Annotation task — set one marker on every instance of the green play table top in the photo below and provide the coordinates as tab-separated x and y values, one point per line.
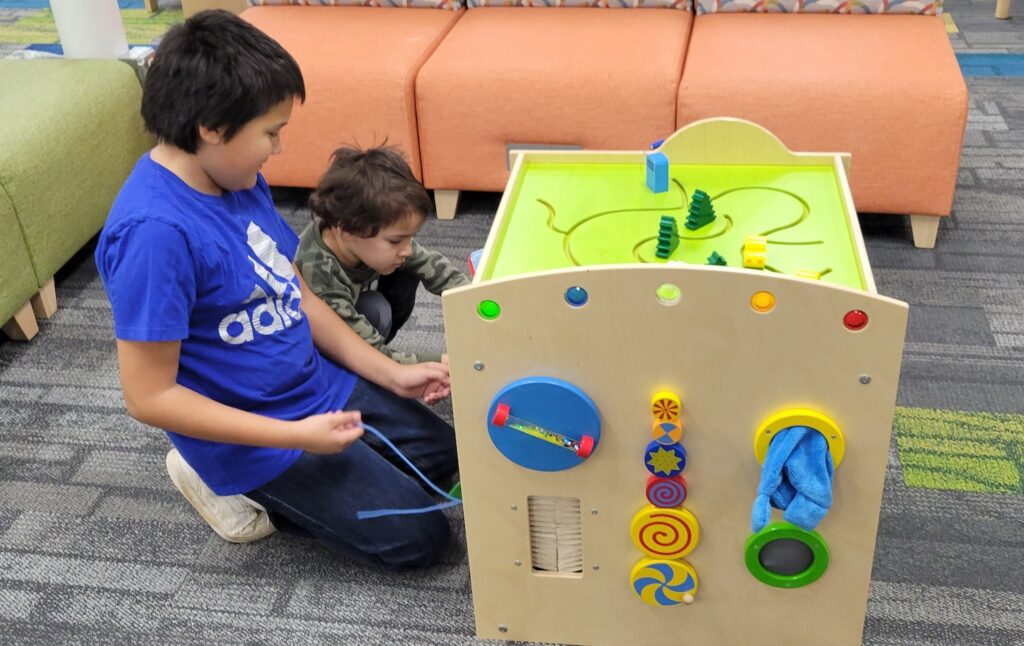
562	215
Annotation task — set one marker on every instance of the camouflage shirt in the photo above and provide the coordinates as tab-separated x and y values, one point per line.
340	286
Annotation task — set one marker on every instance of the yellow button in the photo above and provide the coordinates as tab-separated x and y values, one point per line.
762	301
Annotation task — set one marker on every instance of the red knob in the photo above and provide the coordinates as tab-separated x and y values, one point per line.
500	415
586	446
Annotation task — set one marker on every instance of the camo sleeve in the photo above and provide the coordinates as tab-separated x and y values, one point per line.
434	270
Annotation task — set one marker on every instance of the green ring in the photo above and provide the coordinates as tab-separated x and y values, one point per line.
488	310
779	530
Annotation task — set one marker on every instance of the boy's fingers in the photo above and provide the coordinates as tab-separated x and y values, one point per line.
344	418
350	434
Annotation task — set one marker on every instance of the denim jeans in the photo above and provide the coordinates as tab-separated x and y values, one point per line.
391	305
320	495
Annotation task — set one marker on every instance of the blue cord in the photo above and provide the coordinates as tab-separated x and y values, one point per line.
377	513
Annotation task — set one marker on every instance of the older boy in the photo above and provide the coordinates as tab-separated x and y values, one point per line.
216	331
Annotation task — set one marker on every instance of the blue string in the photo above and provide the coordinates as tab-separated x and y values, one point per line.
377	513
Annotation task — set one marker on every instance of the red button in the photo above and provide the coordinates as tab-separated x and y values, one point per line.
855	320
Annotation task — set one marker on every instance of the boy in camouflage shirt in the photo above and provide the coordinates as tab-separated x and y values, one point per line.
359	255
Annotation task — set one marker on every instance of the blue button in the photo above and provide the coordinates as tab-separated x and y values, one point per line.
576	296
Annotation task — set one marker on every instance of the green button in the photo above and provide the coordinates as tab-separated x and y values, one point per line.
488	310
668	294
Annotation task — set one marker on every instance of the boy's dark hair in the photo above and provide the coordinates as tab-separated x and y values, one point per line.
364	191
217	71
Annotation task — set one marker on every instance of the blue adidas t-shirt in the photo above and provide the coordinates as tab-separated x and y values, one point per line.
216	273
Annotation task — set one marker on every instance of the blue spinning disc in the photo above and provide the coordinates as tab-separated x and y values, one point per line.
547	404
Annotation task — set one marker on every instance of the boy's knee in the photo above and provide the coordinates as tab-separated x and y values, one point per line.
377	311
421	541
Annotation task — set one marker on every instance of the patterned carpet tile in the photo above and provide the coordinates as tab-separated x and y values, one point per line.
961	451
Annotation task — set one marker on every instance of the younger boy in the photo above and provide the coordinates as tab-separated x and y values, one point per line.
359	255
219	340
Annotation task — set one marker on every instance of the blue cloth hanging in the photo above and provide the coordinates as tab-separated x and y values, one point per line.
796	477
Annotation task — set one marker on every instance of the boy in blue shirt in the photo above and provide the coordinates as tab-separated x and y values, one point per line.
221	343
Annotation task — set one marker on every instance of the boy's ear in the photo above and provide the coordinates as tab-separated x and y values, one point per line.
210	136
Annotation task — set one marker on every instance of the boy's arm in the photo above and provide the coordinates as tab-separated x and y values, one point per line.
435	271
342	301
340	343
149	372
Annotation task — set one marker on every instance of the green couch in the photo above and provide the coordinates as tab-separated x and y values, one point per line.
70	135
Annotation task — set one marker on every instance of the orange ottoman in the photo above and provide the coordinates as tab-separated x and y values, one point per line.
591	77
886	88
359	65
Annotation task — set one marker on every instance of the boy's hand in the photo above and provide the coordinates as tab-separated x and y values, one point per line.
328	432
427	381
433	394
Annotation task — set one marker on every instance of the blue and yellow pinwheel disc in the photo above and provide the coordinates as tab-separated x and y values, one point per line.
664	582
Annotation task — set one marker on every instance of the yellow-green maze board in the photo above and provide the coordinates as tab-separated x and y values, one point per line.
565	215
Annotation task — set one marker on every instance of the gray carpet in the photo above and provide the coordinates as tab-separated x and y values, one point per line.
97	547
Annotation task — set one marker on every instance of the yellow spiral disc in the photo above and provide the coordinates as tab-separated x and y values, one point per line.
665	533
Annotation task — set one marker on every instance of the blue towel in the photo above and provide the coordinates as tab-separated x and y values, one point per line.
796	477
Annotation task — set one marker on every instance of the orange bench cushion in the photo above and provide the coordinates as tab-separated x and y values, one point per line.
578	76
885	88
359	65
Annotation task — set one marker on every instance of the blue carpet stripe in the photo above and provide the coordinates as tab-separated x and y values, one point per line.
991	64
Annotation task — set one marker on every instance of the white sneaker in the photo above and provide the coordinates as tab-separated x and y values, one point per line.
236	519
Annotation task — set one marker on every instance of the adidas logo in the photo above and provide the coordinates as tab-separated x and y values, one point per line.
278	298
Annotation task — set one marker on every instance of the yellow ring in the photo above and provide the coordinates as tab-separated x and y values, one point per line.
800	417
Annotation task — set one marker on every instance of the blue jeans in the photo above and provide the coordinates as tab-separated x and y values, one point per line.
319	495
391	305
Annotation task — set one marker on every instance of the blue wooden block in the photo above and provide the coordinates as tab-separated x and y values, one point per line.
657	172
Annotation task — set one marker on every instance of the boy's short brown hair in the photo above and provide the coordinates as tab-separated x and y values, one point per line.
216	71
364	191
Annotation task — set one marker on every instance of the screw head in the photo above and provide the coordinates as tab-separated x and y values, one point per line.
517	562
593	512
865	379
502	628
596	567
478	365
514	508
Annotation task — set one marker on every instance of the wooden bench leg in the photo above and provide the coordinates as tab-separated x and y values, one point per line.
1002	9
22	326
445	201
925	228
151	6
44	303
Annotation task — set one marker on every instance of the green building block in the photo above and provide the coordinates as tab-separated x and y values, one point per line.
701	213
716	259
668	236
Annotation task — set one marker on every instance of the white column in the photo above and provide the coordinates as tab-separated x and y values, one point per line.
90	28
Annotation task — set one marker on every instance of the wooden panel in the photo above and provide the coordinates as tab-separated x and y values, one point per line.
732	368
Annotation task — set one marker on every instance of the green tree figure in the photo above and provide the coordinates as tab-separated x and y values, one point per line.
702	213
668	236
716	259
